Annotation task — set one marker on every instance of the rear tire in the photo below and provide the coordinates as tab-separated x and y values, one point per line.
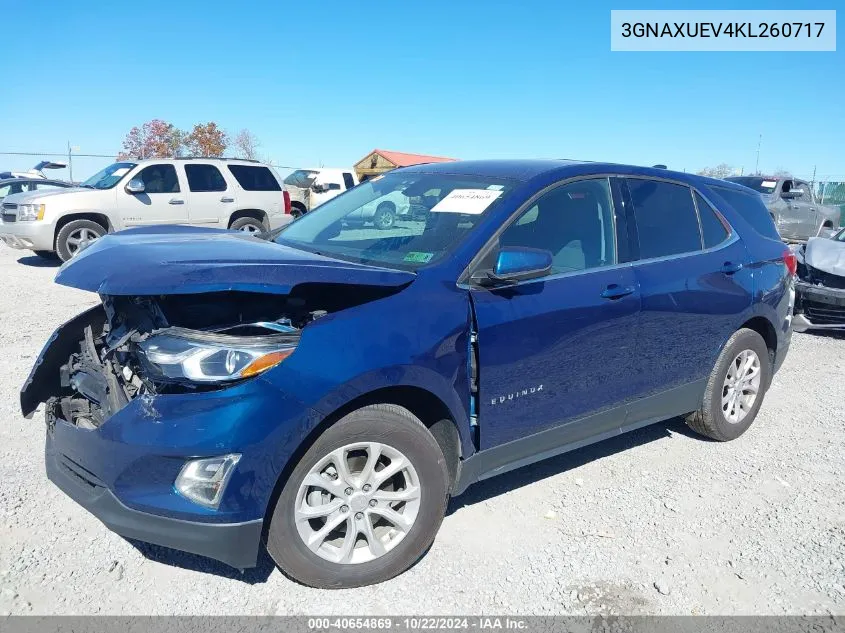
327	563
74	234
248	225
727	409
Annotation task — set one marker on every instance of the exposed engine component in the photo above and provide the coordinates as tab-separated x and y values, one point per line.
144	347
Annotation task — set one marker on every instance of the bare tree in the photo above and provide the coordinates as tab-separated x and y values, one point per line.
722	170
247	144
780	172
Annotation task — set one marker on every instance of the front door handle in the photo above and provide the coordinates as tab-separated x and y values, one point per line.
225	199
615	291
176	201
729	268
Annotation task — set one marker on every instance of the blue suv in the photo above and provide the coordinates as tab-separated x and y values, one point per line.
323	390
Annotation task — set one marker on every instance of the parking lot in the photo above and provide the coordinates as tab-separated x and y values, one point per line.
655	522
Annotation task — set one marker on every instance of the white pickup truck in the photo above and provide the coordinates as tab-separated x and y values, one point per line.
224	193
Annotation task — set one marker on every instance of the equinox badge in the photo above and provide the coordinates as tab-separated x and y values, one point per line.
517	394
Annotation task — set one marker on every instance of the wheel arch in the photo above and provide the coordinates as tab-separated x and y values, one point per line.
257	214
100	218
764	327
431	410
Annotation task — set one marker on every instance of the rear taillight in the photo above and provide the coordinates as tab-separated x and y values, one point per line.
791	262
286	197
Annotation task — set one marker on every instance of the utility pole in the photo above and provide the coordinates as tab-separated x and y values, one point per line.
813	181
757	166
69	162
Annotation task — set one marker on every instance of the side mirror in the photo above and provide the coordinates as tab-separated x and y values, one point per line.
136	185
317	188
513	264
791	195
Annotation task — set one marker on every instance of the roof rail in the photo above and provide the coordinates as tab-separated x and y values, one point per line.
246	160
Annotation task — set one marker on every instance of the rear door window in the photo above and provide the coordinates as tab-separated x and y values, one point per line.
204	178
666	220
806	196
254	178
713	232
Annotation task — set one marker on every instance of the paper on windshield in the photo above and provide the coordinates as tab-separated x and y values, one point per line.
768	183
117	173
470	201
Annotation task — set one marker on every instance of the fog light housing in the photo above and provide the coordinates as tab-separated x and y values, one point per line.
204	480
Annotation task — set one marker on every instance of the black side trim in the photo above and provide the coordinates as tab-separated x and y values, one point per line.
579	433
235	544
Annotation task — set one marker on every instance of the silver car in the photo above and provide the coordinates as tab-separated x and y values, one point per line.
797	214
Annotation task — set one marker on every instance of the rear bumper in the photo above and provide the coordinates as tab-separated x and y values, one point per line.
235	544
818	308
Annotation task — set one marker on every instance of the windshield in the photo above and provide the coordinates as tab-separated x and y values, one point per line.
108	177
762	185
301	178
400	220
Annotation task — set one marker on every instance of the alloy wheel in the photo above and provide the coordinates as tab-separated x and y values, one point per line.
80	239
741	386
357	503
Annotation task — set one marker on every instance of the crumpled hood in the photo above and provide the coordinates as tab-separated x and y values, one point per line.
826	255
189	260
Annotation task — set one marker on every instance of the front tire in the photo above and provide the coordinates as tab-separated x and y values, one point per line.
76	235
735	388
385	215
363	504
46	254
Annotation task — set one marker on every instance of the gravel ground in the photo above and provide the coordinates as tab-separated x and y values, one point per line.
655	522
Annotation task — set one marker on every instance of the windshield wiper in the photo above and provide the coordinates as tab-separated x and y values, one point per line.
87	186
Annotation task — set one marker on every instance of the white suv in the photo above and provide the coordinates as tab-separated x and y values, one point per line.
214	192
309	188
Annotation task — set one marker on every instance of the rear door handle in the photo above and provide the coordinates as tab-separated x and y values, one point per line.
729	268
615	291
176	201
225	199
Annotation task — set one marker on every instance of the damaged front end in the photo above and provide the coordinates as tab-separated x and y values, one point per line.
820	287
135	347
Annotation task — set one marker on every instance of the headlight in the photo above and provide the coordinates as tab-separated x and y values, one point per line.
30	212
209	358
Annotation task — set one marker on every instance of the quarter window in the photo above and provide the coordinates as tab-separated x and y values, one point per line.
347	180
254	178
713	232
204	178
667	223
574	222
159	179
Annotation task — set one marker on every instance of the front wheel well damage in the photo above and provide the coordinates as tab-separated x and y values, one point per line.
423	404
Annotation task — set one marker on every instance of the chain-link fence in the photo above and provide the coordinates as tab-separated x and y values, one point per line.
80	165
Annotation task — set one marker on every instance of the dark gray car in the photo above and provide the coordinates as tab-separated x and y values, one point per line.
797	214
